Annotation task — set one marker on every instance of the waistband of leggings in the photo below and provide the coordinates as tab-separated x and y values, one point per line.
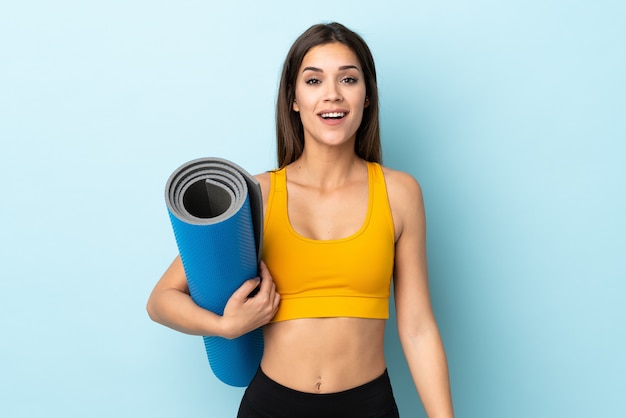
369	388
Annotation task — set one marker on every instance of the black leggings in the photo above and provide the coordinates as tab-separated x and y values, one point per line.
265	398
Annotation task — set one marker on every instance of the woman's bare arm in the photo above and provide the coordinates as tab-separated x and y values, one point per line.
171	305
417	328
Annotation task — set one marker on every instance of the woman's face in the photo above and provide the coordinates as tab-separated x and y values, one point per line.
330	95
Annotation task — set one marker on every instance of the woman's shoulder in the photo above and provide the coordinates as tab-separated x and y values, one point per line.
401	184
263	179
405	199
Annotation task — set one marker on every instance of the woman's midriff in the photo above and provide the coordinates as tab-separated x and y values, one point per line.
324	355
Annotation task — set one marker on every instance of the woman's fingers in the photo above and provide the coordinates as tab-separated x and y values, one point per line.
241	294
273	298
243	312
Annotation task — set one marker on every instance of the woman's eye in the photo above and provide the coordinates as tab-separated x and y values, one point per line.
349	80
312	81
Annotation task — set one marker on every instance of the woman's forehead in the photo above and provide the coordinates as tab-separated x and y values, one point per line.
330	57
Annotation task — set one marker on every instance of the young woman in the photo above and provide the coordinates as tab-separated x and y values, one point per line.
338	227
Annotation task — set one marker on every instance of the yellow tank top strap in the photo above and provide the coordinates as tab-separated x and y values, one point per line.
279	179
381	199
277	196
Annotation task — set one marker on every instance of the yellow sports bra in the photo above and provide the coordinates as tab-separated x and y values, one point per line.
349	277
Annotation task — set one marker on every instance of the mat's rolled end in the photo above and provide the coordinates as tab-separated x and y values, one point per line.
207	190
216	212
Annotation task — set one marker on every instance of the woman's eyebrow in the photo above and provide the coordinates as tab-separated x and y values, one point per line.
342	68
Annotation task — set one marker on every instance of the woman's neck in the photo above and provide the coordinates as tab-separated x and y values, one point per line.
326	170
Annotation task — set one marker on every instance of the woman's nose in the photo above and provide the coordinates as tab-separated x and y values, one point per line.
333	94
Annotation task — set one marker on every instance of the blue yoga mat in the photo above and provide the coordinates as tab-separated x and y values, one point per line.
216	212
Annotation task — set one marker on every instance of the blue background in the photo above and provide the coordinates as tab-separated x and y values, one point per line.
512	115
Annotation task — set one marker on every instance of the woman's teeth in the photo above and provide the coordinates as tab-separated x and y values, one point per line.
333	115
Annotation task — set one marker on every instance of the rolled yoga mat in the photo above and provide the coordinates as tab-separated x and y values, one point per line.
216	212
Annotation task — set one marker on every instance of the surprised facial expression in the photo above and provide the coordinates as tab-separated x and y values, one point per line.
330	95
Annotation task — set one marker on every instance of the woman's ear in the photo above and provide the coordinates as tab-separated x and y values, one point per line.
295	106
367	102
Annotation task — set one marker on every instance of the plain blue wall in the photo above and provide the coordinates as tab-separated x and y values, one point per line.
512	115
